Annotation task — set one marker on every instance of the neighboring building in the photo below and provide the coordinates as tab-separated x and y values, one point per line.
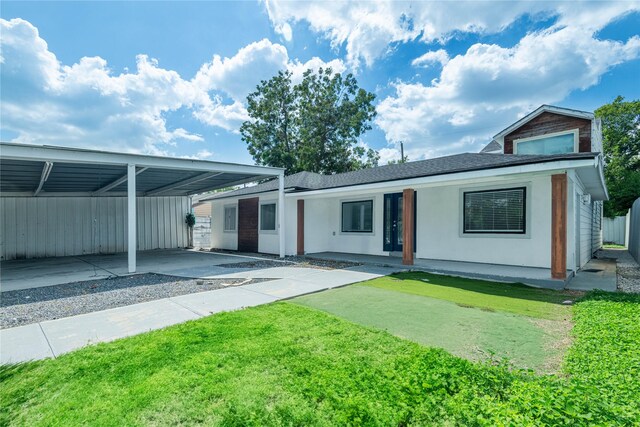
532	197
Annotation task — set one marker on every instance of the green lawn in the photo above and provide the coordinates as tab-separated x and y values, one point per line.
471	333
507	297
285	364
613	246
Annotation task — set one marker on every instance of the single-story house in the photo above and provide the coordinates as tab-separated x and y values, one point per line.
532	197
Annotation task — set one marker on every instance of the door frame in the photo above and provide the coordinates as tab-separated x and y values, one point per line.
393	246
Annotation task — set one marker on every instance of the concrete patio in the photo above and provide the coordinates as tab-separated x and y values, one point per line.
538	277
33	273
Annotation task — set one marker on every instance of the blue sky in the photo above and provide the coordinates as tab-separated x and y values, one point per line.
171	77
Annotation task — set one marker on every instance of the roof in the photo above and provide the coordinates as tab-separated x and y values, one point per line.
492	147
307	181
30	170
544	109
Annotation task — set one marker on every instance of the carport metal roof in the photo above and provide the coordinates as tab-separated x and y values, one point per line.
39	170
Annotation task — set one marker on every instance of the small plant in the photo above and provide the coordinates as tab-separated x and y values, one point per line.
190	220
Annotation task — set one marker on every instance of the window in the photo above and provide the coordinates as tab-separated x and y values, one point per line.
495	211
561	143
268	217
357	217
229	218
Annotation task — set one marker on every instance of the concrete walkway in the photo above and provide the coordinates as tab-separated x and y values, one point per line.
533	276
596	274
55	337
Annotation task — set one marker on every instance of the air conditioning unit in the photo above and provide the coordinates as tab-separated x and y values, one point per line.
586	199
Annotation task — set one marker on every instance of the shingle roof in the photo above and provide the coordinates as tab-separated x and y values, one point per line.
306	181
491	147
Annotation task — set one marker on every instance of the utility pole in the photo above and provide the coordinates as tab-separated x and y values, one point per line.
401	152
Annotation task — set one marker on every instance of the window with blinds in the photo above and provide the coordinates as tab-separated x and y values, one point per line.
495	211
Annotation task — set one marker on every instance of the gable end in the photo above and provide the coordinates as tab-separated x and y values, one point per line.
548	123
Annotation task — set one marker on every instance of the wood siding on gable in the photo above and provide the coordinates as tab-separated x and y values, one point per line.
547	123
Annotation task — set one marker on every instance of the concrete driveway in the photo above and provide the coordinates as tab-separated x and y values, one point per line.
54	337
33	273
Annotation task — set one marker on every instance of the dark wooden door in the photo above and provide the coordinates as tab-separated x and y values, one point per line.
248	225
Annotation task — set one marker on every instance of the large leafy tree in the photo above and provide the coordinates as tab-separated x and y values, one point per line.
314	125
621	150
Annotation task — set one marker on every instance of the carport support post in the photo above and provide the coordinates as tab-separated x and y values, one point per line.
281	210
131	217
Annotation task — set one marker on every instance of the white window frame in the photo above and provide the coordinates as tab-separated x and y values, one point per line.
373	215
529	223
267	202
575	132
224	218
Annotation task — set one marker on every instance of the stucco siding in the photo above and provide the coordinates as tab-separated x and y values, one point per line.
439	227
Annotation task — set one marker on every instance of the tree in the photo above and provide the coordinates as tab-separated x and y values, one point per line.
621	151
314	125
405	159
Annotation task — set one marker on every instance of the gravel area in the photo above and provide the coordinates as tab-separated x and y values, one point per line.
290	261
628	270
628	273
52	302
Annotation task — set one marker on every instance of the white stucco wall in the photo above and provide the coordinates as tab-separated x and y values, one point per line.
439	225
268	241
221	239
439	232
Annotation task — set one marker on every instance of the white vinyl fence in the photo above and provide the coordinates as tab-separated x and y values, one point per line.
202	232
614	230
634	230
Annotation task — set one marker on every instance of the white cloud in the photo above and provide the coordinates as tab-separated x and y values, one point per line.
491	85
368	28
439	56
240	74
87	104
387	154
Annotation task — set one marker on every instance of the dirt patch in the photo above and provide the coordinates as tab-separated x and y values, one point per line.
557	342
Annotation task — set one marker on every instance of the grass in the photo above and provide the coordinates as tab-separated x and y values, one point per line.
613	246
506	297
471	333
285	364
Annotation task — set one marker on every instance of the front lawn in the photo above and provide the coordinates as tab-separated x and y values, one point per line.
508	297
285	364
472	333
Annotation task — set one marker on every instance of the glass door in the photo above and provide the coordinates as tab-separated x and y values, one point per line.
393	228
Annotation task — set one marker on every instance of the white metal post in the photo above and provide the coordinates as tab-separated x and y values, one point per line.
281	210
131	216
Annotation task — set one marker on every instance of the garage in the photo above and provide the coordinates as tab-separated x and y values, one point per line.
59	201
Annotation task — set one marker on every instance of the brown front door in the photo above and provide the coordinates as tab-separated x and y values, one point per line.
248	225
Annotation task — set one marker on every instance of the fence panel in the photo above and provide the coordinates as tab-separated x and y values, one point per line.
634	230
614	230
202	232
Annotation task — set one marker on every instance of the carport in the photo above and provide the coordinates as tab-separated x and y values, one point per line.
59	201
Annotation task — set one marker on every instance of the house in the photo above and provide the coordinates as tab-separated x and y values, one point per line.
531	198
